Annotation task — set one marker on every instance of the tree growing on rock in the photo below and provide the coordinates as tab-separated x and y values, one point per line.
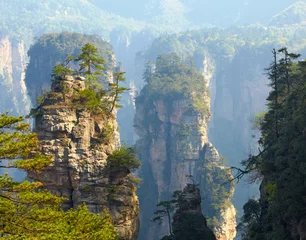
91	63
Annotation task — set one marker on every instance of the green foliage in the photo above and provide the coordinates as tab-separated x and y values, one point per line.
52	50
281	161
123	158
115	90
270	188
188	224
87	188
93	97
19	145
217	190
192	226
134	180
29	212
59	72
91	63
257	120
173	79
34	18
106	134
165	209
88	99
249	223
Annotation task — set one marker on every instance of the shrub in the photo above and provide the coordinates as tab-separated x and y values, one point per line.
123	158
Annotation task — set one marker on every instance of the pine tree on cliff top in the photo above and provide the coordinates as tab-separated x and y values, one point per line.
27	211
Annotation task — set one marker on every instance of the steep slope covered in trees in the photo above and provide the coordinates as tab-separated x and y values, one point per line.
280	211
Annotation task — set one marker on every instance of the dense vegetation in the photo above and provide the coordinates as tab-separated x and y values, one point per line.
100	17
280	212
26	210
52	49
216	189
170	78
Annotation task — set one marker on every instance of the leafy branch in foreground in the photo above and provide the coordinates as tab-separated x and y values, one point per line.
26	210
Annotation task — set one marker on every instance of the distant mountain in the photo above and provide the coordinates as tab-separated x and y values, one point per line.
35	17
294	14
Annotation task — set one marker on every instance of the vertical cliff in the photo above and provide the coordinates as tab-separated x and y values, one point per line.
13	94
80	142
174	143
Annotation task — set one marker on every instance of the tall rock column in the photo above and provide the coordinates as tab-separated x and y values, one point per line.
13	95
80	142
172	112
173	142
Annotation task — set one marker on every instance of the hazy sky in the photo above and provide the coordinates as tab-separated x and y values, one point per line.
219	12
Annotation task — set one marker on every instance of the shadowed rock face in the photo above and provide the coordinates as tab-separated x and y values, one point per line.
72	135
173	143
188	220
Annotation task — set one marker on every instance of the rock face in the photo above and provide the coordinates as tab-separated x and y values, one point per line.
78	141
173	143
188	220
13	94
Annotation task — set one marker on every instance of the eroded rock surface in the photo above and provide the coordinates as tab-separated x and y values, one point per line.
188	220
13	94
76	139
173	143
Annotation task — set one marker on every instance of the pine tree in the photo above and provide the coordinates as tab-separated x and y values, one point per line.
26	210
91	63
281	161
115	90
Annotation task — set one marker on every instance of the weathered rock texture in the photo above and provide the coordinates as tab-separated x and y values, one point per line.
13	96
188	220
173	143
238	89
75	138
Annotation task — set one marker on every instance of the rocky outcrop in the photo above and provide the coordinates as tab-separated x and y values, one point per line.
188	220
13	94
80	142
173	143
213	178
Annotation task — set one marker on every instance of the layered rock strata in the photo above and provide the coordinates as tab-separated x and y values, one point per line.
78	141
13	95
173	143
